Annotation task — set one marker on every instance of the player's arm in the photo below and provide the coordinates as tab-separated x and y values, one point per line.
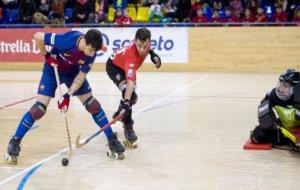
43	39
126	103
155	59
129	89
39	39
77	82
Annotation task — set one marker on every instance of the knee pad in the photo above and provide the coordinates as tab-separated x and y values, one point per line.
134	98
38	110
92	105
266	116
260	135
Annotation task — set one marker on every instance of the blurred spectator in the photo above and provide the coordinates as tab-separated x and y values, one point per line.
101	10
229	17
27	9
169	10
123	19
297	16
118	17
199	18
57	15
217	5
155	11
261	16
44	7
282	4
236	7
248	16
126	18
279	16
120	4
39	18
84	11
57	7
215	16
252	5
183	8
194	7
10	4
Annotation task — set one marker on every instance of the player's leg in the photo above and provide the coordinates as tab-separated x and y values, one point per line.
37	111
266	131
128	122
272	129
93	106
117	75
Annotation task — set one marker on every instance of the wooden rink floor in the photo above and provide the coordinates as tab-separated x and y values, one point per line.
191	129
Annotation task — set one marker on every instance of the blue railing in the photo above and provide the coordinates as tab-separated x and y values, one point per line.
182	24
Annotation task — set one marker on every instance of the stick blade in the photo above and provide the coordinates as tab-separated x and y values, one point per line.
78	144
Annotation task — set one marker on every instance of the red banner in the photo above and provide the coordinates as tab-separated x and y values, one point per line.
17	45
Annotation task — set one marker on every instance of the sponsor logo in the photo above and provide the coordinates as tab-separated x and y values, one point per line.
160	43
19	46
42	87
130	73
52	39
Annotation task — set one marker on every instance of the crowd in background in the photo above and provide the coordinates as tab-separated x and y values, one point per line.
166	11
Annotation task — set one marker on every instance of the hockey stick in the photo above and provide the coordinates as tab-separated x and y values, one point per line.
65	116
113	121
18	102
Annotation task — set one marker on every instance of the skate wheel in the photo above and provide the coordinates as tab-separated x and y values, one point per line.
115	155
10	159
129	144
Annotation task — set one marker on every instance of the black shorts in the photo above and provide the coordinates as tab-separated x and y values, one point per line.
115	73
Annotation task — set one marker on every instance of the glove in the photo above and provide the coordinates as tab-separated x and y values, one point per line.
64	104
123	107
51	59
155	59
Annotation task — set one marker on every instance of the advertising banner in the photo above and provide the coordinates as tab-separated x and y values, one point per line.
170	43
17	45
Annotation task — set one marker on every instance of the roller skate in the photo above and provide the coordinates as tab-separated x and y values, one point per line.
116	148
13	150
130	136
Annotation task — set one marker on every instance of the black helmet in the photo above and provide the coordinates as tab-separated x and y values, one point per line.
290	76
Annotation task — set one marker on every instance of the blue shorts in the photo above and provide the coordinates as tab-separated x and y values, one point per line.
48	85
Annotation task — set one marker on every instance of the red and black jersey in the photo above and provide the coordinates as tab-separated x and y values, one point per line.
128	59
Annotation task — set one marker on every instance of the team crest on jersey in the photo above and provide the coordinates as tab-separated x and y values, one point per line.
130	73
81	62
131	65
42	87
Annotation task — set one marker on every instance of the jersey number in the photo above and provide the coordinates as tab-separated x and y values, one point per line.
119	51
